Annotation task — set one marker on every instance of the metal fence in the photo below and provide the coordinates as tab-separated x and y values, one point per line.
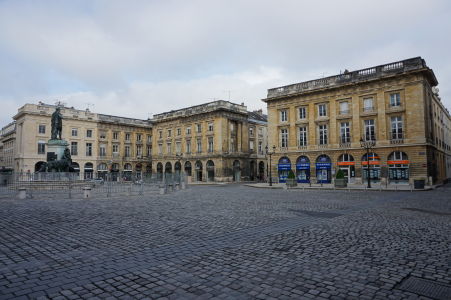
75	185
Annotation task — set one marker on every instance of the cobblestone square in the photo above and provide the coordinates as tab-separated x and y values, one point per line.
228	242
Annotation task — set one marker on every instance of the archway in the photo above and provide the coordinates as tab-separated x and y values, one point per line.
261	170
398	167
39	165
188	168
159	171
303	169
168	170
323	169
75	168
210	170
252	170
346	163
283	168
114	172
198	167
177	170
375	167
148	172
127	173
102	170
89	170
138	170
236	171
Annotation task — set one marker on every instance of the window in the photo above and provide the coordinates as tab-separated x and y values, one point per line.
302	113
345	133
115	149
179	131
127	151
370	132
115	135
178	147
322	110
344	108
74	148
284	138
198	128
251	146
188	130
102	150
41	129
395	99
41	147
149	150
322	134
102	135
199	146
139	150
88	149
260	147
188	146
251	131
283	115
396	128
138	137
89	133
127	136
160	134
160	149
210	127
169	132
149	138
302	138
74	132
260	131
368	104
168	148
210	144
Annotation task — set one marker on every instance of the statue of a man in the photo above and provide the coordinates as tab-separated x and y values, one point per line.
57	124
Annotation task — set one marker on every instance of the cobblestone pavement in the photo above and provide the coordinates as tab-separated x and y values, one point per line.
228	242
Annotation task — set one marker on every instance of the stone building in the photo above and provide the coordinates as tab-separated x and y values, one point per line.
8	146
216	141
316	126
99	143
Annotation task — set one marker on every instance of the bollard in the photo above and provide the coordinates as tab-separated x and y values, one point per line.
141	189
22	193
162	190
129	190
87	192
177	186
183	185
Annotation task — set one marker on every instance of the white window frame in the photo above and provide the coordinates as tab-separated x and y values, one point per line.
284	138
322	134
322	110
302	136
284	115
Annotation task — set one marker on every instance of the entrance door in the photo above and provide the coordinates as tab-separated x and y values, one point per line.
346	173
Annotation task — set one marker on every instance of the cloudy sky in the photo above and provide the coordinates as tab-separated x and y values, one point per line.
138	58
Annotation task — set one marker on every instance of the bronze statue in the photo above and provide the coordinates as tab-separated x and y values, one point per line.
62	165
57	124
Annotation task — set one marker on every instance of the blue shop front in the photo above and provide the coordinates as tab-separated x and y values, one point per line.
323	169
303	169
283	167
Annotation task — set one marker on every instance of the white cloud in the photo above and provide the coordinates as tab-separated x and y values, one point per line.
160	55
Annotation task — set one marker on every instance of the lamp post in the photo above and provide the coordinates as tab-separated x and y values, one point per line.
269	167
367	145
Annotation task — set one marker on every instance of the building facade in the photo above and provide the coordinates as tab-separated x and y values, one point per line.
216	141
317	126
99	143
8	146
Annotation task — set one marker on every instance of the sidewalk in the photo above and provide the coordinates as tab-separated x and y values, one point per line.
357	187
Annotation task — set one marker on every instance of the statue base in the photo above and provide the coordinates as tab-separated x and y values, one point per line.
56	149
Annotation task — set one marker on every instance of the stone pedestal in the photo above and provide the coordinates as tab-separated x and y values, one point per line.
56	147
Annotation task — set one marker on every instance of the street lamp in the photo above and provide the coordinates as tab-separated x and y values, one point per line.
367	145
269	167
